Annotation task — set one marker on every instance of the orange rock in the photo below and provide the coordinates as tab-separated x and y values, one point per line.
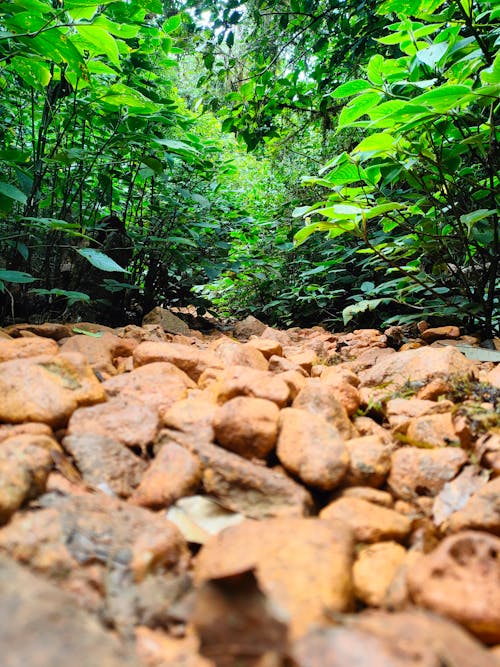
282	365
294	380
244	381
305	359
155	648
460	579
482	511
193	415
374	570
371	495
438	333
311	448
47	388
434	389
187	358
432	431
30	428
20	348
369	461
493	377
100	352
369	522
267	347
250	326
302	565
232	353
320	399
401	410
247	426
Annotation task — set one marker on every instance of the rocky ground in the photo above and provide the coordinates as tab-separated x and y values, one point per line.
258	498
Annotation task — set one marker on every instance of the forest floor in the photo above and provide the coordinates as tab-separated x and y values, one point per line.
252	498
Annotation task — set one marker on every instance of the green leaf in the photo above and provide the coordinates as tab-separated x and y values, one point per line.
172	23
492	73
351	88
34	72
470	218
72	297
445	97
92	334
357	108
102	41
100	260
361	307
340	211
378	143
19	277
10	191
433	54
375	69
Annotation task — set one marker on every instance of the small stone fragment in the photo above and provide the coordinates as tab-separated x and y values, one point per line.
369	461
375	569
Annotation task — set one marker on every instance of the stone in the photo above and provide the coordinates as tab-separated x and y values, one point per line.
371	495
158	384
193	415
244	381
482	510
24	469
47	388
131	423
432	431
276	334
250	326
434	390
245	487
368	426
247	426
419	366
302	565
43	626
312	449
266	347
105	464
305	359
29	428
423	472
282	365
156	648
319	398
439	333
232	353
369	461
168	321
493	377
100	352
187	358
173	474
461	579
375	569
20	348
295	382
400	411
369	522
46	330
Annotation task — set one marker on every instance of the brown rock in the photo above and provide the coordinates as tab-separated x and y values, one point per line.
244	381
247	426
482	510
374	571
44	627
369	461
105	463
400	411
167	320
282	365
460	579
250	326
173	474
493	377
267	347
20	348
432	431
302	565
232	353
155	648
305	359
422	365
423	472
46	330
487	450
100	352
375	496
277	334
294	380
438	333
193	415
368	426
320	399
369	522
131	423
47	388
30	428
187	358
158	384
436	388
311	448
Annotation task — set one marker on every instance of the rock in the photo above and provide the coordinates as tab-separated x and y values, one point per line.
282	365
460	579
311	448
232	353
295	382
46	388
482	511
187	358
44	627
423	472
486	449
24	469
47	330
158	384
375	569
168	321
455	494
244	381
369	522
100	352
106	465
305	359
151	332
302	565
20	348
267	347
29	428
155	648
375	496
319	398
434	390
247	426
421	365
250	326
400	411
131	423
432	431
369	461
193	415
277	334
369	356
493	377
439	333
173	474
245	487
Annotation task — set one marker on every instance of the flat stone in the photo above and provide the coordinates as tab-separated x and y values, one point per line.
319	398
369	461
267	347
173	474
278	364
371	495
482	510
47	629
29	428
302	565
439	333
187	358
193	415
460	579
423	472
105	464
100	352
312	449
20	348
47	388
369	522
375	569
247	426
168	321
432	431
305	359
46	330
232	353
244	381
400	411
250	326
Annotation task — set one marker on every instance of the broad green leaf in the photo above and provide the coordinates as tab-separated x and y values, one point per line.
492	73
433	54
470	218
340	210
357	108
361	307
445	97
119	95
71	296
123	30
92	334
10	191
351	88
176	146
20	277
380	209
101	41
100	260
172	23
375	69
34	72
380	142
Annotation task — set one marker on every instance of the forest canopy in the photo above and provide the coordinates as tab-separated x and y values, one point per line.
305	161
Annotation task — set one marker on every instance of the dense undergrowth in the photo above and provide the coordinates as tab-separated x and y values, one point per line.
305	161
